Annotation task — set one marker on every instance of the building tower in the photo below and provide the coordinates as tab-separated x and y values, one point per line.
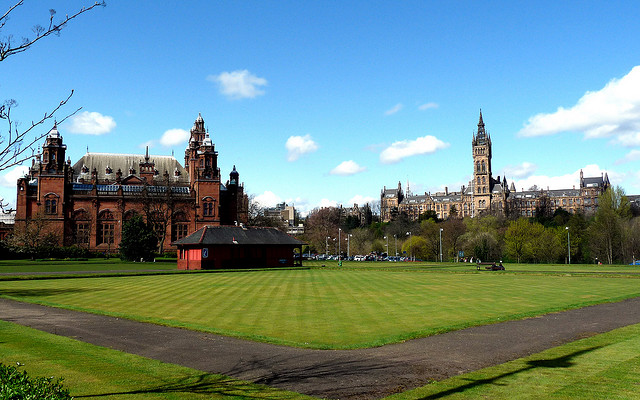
201	160
49	176
482	178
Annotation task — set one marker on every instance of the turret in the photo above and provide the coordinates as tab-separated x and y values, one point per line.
53	152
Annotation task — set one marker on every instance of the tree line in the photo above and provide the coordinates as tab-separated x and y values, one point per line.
611	235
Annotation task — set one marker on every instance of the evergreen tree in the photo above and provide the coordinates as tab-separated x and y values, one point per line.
139	240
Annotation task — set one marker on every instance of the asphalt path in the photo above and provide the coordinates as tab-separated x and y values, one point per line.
345	374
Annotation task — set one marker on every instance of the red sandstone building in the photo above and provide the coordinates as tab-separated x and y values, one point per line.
87	203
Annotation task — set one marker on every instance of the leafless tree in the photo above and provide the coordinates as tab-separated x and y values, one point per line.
15	143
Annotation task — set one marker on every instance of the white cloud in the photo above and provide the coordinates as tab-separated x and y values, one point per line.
91	123
427	106
613	111
267	199
360	200
299	145
239	84
394	109
519	171
10	178
628	139
347	168
406	148
633	155
566	181
328	203
174	137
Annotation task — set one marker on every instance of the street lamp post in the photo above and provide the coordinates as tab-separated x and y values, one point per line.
348	243
568	244
395	238
326	245
339	244
387	237
410	247
441	244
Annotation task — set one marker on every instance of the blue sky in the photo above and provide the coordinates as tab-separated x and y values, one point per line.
321	103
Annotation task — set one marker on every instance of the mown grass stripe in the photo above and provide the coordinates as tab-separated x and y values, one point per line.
325	308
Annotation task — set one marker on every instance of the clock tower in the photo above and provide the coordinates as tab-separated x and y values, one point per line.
482	178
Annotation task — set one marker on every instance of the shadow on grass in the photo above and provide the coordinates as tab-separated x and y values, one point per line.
206	384
43	292
559	362
325	379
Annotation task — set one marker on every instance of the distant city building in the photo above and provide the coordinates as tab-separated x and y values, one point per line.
486	194
363	214
86	204
287	214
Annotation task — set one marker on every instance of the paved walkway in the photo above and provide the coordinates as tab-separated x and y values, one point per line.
346	374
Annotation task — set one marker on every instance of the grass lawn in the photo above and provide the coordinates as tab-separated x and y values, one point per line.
605	366
327	308
94	264
99	373
470	267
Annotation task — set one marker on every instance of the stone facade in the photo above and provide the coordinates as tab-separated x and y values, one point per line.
486	194
87	203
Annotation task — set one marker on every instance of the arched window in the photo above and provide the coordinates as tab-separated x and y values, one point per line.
128	215
51	203
208	207
106	228
81	227
483	167
483	180
478	166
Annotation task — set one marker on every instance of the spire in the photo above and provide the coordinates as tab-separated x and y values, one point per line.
146	155
481	125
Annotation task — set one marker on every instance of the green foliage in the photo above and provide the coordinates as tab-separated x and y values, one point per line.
516	239
429	215
417	247
606	232
17	385
139	240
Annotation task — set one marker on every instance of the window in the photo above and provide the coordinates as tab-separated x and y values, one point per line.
81	232
106	233
208	207
106	228
50	206
81	227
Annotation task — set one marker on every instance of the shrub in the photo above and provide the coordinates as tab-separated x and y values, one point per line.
15	384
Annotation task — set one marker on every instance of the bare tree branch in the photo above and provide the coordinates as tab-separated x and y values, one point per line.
15	143
13	147
6	47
